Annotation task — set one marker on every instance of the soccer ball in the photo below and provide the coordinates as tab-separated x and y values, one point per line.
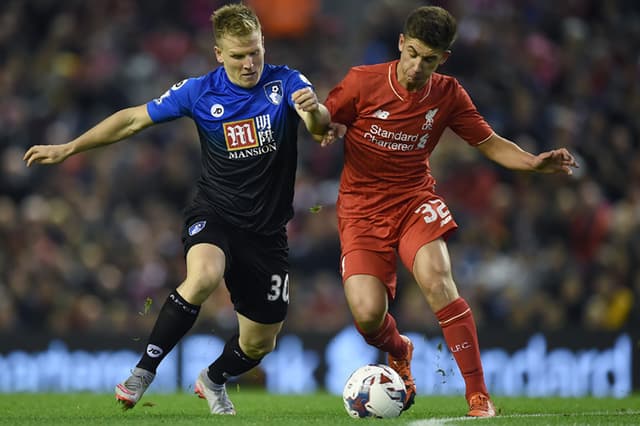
374	390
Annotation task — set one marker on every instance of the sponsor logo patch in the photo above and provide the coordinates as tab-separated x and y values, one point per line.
154	351
382	114
217	110
240	134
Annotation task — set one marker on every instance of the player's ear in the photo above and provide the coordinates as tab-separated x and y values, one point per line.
218	52
445	56
400	42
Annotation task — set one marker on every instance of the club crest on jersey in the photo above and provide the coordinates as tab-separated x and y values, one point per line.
273	91
197	227
428	119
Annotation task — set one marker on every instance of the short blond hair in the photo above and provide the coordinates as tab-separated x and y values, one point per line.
236	20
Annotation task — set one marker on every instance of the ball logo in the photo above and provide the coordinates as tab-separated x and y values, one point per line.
197	227
217	110
154	351
304	78
178	84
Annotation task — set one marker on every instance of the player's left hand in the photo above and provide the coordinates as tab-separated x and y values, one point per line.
305	99
334	132
557	160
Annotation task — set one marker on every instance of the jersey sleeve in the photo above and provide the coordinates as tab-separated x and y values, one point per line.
176	102
295	81
341	101
466	121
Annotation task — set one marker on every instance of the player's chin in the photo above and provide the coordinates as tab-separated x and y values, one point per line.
417	80
248	81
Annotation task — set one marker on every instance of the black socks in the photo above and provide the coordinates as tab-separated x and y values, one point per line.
233	362
176	318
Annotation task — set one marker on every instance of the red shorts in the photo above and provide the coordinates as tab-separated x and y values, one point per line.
369	245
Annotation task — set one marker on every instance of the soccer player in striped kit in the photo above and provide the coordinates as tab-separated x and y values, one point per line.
247	115
392	116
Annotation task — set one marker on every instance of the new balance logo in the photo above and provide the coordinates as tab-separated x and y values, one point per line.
154	351
382	114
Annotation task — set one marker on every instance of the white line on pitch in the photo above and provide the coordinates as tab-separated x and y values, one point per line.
447	420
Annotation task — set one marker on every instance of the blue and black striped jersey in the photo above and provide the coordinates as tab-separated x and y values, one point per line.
248	139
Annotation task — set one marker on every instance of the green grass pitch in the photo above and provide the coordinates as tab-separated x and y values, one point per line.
256	407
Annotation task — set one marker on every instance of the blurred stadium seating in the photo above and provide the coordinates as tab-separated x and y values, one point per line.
86	244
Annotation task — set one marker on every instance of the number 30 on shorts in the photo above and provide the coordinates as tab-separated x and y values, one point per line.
279	288
433	210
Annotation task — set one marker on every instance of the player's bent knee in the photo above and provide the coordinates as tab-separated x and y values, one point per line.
437	285
196	288
434	278
207	283
257	349
368	320
432	286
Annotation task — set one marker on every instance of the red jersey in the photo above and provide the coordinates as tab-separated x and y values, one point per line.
392	132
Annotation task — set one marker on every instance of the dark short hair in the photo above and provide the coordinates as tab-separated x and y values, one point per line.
433	26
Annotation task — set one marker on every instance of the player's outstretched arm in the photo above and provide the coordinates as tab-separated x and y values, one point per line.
511	156
315	115
114	128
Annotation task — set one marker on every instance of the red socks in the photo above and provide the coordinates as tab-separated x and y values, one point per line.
459	330
387	338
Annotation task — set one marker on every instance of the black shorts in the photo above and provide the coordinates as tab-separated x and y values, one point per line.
257	266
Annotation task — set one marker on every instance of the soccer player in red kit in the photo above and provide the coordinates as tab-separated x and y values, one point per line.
392	116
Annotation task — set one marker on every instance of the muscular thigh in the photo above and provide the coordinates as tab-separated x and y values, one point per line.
368	248
425	219
432	271
256	269
258	276
206	251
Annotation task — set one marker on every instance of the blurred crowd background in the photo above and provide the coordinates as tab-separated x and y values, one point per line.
93	244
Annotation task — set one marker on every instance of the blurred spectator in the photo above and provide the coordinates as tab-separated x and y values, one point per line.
92	245
288	19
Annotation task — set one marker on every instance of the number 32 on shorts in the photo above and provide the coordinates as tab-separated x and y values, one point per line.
279	288
434	210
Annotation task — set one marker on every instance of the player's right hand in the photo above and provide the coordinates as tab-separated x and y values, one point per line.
46	154
555	161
